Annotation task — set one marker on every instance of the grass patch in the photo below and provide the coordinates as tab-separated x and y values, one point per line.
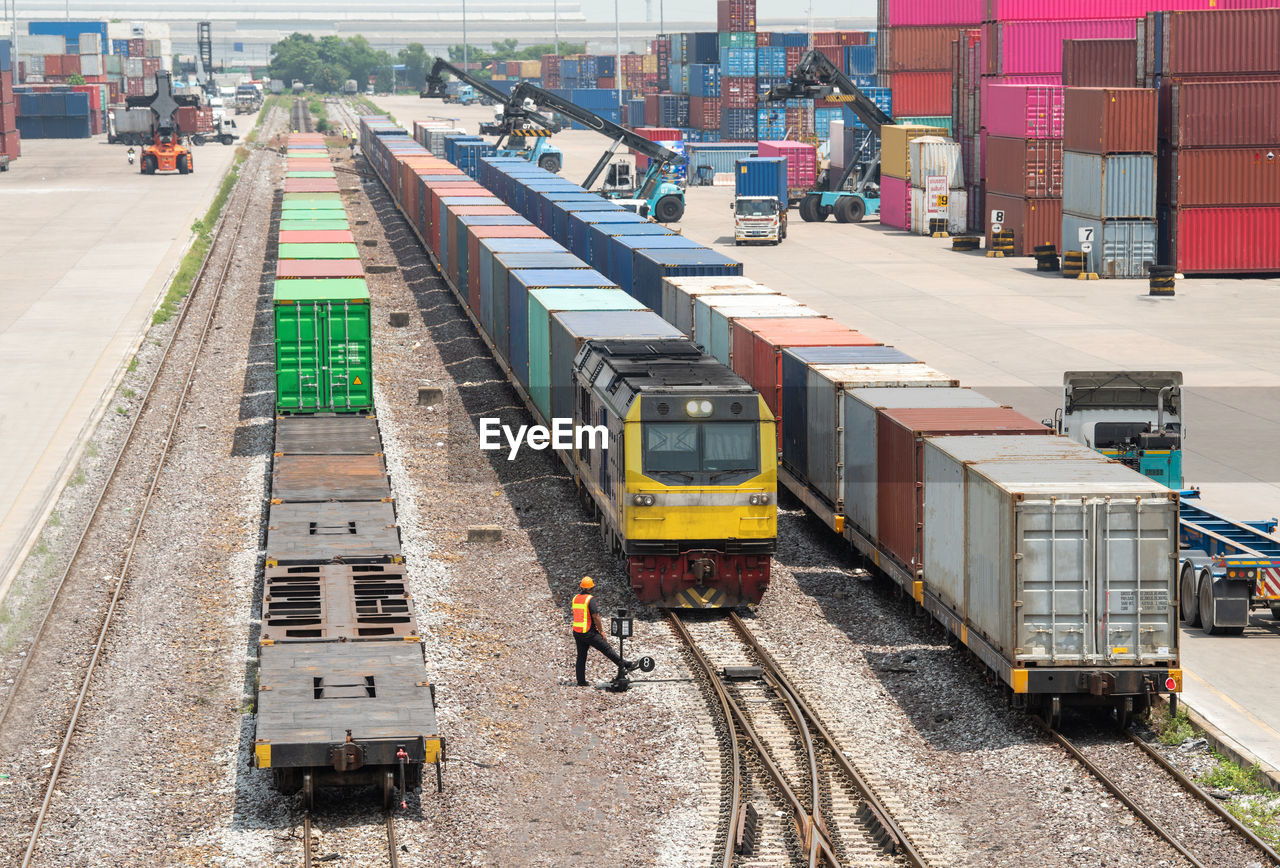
1234	777
128	393
91	450
1259	815
133	365
77	479
55	520
1170	730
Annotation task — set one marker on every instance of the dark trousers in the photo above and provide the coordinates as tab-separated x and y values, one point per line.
598	642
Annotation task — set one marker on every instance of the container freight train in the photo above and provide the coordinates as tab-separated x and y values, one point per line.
672	451
1054	565
343	698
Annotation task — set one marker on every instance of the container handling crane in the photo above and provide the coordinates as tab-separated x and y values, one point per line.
816	77
656	195
535	126
1226	567
166	153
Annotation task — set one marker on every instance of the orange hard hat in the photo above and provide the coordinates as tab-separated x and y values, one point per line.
586	584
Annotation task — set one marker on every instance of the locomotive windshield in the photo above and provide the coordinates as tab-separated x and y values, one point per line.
701	452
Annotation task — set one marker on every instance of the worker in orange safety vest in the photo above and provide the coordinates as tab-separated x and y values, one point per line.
588	632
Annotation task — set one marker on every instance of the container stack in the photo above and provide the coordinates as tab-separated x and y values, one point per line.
914	56
10	139
1022	141
966	124
1109	179
736	43
801	161
1219	194
895	172
937	186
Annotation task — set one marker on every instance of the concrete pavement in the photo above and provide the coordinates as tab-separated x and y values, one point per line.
1010	332
87	244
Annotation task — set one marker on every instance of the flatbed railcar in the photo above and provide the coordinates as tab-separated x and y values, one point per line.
685	483
343	699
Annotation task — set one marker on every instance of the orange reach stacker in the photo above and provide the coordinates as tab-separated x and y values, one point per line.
166	153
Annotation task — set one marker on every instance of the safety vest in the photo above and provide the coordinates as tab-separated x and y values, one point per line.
582	613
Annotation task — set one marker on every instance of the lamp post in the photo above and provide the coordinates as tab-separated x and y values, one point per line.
555	23
617	57
464	37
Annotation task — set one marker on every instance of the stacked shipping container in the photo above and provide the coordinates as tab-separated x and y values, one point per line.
10	139
895	172
1022	138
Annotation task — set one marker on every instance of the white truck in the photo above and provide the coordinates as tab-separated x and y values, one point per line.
758	219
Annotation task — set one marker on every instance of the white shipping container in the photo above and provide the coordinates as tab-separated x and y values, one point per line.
133	67
756	306
27	44
823	410
704	330
435	139
836	137
91	43
857	478
934	155
114	64
91	64
957	212
1053	561
679	295
34	64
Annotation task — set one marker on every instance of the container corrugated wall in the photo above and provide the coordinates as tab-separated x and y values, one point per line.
680	295
1035	47
1121	248
1110	120
1228	240
1207	43
1223	176
1224	114
1024	167
1117	185
1099	63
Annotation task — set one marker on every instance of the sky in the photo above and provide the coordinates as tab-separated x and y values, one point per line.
633	10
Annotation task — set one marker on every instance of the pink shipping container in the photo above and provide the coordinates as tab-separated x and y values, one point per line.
927	13
1225	240
990	81
895	202
1056	10
1035	47
1022	111
920	94
802	161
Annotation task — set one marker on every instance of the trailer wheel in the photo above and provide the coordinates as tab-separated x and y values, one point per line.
669	209
226	138
550	162
850	209
809	209
1275	611
1206	610
1190	596
198	139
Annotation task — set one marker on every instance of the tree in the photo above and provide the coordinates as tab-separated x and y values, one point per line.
416	62
330	79
384	83
75	79
296	57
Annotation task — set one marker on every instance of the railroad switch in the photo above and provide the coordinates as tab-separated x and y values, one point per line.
742	673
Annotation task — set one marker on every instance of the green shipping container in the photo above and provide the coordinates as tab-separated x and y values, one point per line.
317	214
318	251
311	174
324	347
943	121
313	225
307	201
543	303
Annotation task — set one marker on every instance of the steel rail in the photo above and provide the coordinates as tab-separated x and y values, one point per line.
735	792
1149	821
391	840
143	513
896	841
1199	792
306	840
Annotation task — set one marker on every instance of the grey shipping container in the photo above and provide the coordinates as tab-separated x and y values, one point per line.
723	310
496	310
1121	248
824	447
1058	562
571	330
1115	185
856	479
795	387
679	295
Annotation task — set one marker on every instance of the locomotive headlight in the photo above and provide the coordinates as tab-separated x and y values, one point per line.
698	408
759	499
642	499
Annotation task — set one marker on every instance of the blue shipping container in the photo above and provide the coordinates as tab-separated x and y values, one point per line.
489	249
600	237
704	79
737	62
580	223
762	176
560	216
6	56
772	60
635	113
620	266
651	266
860	60
702	48
738	125
881	96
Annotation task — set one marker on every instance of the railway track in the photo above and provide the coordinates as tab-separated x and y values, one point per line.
300	119
1153	790
820	810
393	848
206	283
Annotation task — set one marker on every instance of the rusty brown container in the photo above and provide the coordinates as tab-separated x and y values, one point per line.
1222	176
1030	168
915	49
1032	221
900	465
1100	62
1110	120
1238	41
1223	114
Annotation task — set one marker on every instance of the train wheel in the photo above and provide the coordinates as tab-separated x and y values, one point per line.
1053	712
388	791
439	777
308	793
1188	593
1124	712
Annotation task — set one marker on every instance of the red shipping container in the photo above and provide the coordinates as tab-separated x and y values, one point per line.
654	134
95	95
1223	114
900	465
8	116
319	268
71	64
472	206
11	144
915	49
920	94
704	112
1225	240
763	39
1033	221
737	16
1110	120
1030	168
1244	42
137	47
434	193
758	345
311	185
795	53
737	92
53	64
133	86
6	85
474	234
150	66
1100	63
1220	176
605	82
802	161
317	236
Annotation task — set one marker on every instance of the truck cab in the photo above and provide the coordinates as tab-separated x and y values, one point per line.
1134	417
759	219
